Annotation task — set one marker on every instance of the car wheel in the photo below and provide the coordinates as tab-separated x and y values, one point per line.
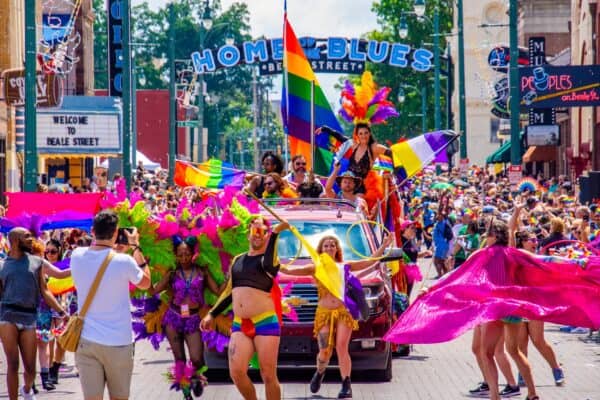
385	375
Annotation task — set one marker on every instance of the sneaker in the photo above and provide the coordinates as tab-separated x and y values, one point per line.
26	396
559	376
482	390
566	329
520	380
510	391
580	330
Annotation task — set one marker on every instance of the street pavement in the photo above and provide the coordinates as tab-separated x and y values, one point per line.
444	371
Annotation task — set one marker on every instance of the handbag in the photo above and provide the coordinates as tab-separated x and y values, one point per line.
69	338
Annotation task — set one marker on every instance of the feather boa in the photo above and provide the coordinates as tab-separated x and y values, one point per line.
181	374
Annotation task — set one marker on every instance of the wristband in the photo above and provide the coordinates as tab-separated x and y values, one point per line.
142	266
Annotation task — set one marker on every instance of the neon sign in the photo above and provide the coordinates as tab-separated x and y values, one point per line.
334	54
569	86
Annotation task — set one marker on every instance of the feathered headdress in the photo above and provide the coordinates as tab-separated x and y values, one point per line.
365	103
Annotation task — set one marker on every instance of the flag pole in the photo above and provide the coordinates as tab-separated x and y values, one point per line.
312	126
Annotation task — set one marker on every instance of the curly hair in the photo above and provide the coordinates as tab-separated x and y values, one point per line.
275	159
338	254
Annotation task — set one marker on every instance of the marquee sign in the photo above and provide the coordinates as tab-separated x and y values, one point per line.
334	54
91	127
567	86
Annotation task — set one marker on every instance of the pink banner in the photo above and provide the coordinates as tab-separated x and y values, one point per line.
47	204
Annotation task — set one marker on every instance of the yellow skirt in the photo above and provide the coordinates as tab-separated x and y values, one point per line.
331	317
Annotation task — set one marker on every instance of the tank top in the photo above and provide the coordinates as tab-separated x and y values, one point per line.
20	289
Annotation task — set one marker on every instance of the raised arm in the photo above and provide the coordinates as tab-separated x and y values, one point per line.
362	264
304	270
331	180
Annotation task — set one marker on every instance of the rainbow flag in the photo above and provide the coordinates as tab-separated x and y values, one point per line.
212	174
411	156
296	106
383	163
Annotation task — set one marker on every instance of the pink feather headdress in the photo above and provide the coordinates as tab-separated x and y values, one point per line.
366	103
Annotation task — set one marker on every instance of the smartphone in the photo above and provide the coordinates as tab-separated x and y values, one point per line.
122	237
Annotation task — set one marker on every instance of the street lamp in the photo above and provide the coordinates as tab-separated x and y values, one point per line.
419	8
423	91
403	28
207	17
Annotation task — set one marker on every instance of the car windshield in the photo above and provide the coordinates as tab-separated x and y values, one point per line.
313	232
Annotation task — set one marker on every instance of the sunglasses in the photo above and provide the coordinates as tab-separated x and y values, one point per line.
269	183
51	252
532	240
257	231
300	163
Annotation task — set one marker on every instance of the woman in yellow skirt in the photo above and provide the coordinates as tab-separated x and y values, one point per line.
333	322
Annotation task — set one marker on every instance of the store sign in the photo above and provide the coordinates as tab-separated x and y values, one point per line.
542	135
334	54
500	100
49	88
569	86
77	132
115	47
499	58
515	174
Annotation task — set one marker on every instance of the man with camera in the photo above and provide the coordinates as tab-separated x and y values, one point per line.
104	356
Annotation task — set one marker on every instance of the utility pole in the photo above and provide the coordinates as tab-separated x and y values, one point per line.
255	115
461	81
30	169
436	61
126	11
172	96
515	136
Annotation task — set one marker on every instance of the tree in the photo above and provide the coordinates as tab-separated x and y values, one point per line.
100	45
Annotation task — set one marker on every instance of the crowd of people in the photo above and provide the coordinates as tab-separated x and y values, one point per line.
447	217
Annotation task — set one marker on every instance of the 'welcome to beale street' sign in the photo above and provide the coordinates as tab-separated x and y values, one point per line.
83	125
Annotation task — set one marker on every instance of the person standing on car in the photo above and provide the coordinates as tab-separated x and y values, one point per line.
333	321
256	325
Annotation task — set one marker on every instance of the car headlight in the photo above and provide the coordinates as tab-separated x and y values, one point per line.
373	295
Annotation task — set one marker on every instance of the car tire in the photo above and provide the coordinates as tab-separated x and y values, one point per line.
385	375
403	350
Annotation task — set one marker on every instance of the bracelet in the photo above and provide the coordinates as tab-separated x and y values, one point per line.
142	266
136	247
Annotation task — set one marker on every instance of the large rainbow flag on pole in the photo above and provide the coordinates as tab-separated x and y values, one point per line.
296	105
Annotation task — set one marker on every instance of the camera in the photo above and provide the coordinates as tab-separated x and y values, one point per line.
122	237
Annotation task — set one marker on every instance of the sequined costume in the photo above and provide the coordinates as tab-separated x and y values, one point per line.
192	288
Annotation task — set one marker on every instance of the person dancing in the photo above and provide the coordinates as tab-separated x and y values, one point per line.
256	325
181	320
334	323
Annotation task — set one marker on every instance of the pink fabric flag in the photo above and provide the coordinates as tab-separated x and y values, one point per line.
498	282
48	204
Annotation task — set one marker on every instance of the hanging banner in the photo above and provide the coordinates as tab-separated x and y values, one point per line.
566	86
334	55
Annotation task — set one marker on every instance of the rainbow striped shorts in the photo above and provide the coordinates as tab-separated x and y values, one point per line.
265	324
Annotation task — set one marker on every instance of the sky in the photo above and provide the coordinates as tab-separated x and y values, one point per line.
317	18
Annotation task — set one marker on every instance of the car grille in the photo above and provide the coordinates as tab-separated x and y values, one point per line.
305	312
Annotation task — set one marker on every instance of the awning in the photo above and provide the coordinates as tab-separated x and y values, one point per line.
501	155
540	153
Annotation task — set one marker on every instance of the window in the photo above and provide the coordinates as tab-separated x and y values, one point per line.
314	231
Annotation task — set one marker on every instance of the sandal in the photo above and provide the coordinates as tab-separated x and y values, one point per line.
532	398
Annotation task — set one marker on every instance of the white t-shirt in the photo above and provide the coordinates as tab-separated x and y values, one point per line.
108	320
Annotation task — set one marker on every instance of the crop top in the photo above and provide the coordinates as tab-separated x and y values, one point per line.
250	271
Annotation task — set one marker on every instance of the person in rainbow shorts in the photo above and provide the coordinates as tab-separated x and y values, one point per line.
256	323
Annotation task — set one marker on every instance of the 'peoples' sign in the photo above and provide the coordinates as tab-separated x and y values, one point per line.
570	86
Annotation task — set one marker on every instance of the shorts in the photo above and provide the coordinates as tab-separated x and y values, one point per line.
331	317
20	327
265	324
512	319
101	365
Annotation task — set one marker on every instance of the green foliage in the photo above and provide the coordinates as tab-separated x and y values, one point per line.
100	45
